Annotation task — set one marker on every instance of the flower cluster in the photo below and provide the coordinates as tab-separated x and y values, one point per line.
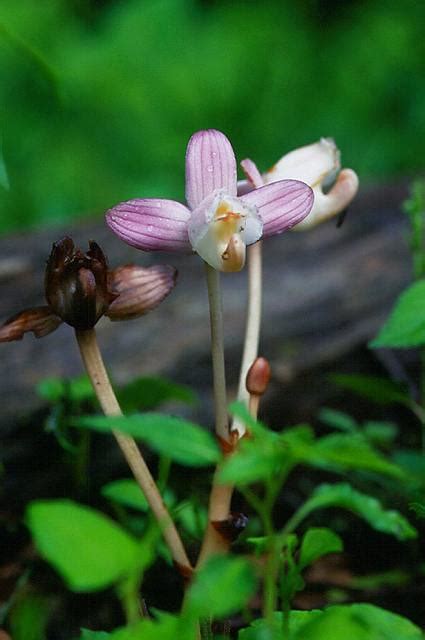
80	289
216	223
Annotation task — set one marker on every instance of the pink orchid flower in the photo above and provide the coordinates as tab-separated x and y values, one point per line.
216	224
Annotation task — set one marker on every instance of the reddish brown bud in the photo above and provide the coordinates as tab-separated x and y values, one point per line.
231	528
258	377
76	283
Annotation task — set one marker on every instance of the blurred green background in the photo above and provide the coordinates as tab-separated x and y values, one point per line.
98	99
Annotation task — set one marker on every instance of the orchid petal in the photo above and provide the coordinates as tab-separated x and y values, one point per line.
40	320
336	200
311	163
140	289
151	224
281	205
210	165
255	179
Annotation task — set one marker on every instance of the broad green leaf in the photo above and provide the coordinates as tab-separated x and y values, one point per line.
318	542
221	587
176	438
338	420
258	629
89	550
348	452
379	390
370	509
29	617
167	628
405	326
357	621
4	178
148	393
380	432
126	492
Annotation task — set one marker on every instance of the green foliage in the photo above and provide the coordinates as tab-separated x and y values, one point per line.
93	113
223	585
318	542
4	179
75	390
370	509
338	622
379	390
29	616
89	550
167	628
149	392
127	493
176	438
267	455
405	326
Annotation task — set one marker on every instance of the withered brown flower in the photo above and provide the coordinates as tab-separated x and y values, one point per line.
80	289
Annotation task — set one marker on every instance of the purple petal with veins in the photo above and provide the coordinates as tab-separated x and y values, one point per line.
281	205
210	165
151	224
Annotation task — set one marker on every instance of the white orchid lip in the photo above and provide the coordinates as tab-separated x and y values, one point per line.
221	227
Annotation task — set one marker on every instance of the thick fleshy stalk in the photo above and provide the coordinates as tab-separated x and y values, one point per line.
95	367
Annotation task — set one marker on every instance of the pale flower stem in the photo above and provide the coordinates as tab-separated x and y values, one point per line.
217	350
95	367
253	322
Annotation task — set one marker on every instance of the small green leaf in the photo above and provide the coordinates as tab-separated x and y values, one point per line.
405	326
359	621
176	438
149	393
318	542
348	452
88	549
29	617
379	432
86	634
221	587
338	420
259	629
379	390
127	493
77	390
370	509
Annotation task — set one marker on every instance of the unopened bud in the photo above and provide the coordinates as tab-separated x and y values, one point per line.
258	377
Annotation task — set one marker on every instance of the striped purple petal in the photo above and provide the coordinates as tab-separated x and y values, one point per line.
151	224
210	165
281	205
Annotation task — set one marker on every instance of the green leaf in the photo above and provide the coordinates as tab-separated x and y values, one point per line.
76	390
29	617
370	509
167	628
379	432
347	452
359	621
222	586
405	326
148	393
379	390
258	629
318	542
89	550
86	634
127	493
176	438
338	420
4	178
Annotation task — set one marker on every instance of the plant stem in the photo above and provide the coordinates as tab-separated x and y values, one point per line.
253	323
217	351
93	362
